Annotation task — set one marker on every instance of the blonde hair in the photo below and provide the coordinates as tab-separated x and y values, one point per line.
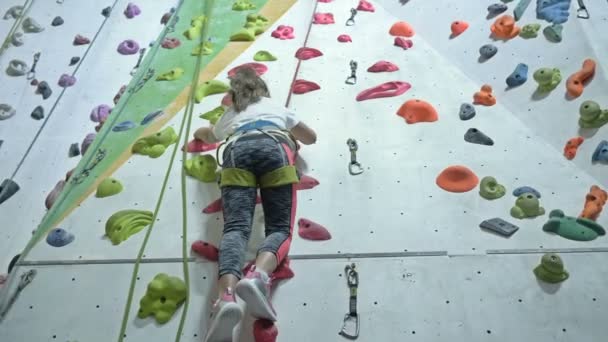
246	87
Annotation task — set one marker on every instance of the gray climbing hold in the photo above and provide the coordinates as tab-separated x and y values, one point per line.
16	67
467	111
7	189
59	237
496	9
38	113
106	11
475	136
74	60
44	89
123	126
488	51
553	33
74	150
519	76
31	26
6	111
14	12
57	21
526	190
17	39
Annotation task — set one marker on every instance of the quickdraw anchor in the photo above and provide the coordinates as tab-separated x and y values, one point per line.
141	57
351	20
350	327
354	167
582	11
79	178
352	79
32	73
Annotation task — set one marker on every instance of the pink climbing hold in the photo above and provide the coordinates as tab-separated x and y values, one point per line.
195	146
306	183
344	38
128	47
170	43
205	249
323	18
66	81
312	231
52	196
100	113
265	331
283	32
383	66
282	272
306	53
388	89
216	206
303	87
227	100
132	10
259	68
403	43
81	40
365	6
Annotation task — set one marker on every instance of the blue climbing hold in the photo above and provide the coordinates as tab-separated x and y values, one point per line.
526	189
601	153
123	126
519	76
151	116
553	11
59	237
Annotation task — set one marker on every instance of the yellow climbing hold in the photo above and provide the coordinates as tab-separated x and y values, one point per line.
202	167
243	35
210	88
126	223
243	5
155	145
205	49
196	25
213	115
171	75
108	187
256	24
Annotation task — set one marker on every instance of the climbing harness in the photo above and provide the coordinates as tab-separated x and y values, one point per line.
350	327
352	79
101	153
141	56
32	73
26	279
354	167
582	11
142	82
351	20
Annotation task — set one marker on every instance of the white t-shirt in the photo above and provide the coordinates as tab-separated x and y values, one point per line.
265	110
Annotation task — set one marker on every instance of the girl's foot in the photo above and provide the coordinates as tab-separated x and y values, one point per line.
254	289
226	316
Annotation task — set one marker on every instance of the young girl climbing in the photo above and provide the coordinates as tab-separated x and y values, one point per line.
259	151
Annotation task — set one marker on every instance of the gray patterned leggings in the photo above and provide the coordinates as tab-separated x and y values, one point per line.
259	154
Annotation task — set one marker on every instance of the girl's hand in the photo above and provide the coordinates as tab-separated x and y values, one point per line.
205	134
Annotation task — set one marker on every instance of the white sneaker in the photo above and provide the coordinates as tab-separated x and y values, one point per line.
227	314
255	292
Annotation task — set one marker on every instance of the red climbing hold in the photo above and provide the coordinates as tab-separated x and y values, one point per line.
365	6
170	43
81	40
414	111
303	87
383	66
205	249
403	43
484	96
458	27
344	38
401	28
196	145
306	182
283	32
52	196
312	231
457	179
388	89
306	53
259	68
216	206
264	331
323	18
572	146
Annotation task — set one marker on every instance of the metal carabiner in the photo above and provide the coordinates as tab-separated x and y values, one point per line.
350	325
141	56
32	73
354	167
351	20
582	11
352	79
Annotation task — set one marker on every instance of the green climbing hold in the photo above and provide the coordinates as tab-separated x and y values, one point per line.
554	33
108	187
490	189
527	205
530	31
264	56
171	75
591	115
547	79
196	24
163	297
573	228
125	223
243	5
213	115
551	269
210	88
202	167
256	22
155	145
204	49
243	35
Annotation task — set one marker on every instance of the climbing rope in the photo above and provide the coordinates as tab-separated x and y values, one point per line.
7	40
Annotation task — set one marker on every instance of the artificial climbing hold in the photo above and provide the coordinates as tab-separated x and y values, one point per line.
457	179
572	146
264	56
310	230
383	66
591	115
526	190
17	39
344	38
66	81
243	35
38	113
401	29
54	194
504	27
306	183
576	82
467	111
475	136
8	188
132	10
405	44
57	21
484	96
458	27
100	113
31	26
165	18
323	18
74	150
196	25
81	40
600	155
108	187
496	9
529	31
553	33
86	142
283	32
14	12
573	228
171	75
44	89
170	43
34	82
487	51
74	60
155	145
551	269
59	237
283	271
202	168
594	202
123	126
196	145
265	330
519	76
16	67
527	205
6	111
217	206
151	116
303	86
213	115
257	23
553	11
163	297
125	223
210	88
259	68
387	89
128	47
306	53
365	6
243	5
204	48
106	11
205	249
414	111
490	189
547	79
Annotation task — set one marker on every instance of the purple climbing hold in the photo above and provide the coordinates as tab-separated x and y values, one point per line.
124	126
86	142
59	237
66	81
100	113
132	10
128	47
81	40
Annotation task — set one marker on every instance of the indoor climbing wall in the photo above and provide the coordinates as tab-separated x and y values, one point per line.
422	143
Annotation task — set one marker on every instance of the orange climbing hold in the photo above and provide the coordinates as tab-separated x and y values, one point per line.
402	29
572	146
458	27
576	82
504	27
457	179
594	202
484	96
415	110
